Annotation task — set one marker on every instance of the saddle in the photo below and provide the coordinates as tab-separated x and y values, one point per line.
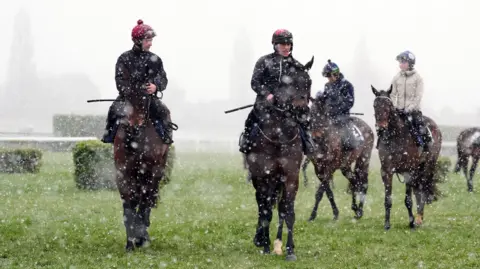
350	135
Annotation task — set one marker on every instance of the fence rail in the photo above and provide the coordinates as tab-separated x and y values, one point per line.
185	144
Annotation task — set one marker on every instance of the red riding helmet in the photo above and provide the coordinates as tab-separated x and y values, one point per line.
142	31
282	36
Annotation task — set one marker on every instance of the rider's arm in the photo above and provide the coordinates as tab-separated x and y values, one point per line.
348	96
394	94
418	94
257	82
122	77
160	80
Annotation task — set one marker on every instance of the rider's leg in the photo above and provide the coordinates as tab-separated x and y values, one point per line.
160	114
114	113
245	143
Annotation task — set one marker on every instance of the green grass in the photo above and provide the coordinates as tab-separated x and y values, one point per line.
207	218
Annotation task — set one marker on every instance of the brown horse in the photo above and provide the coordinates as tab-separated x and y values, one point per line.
399	154
276	155
140	160
468	144
338	147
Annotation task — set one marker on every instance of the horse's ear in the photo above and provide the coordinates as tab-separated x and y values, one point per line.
374	90
309	64
390	90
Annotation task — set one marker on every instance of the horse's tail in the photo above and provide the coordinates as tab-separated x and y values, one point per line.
431	179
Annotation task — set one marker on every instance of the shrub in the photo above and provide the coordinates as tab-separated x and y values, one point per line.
443	167
23	160
94	167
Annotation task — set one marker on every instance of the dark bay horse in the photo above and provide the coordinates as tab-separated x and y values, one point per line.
468	145
276	155
334	151
399	154
140	160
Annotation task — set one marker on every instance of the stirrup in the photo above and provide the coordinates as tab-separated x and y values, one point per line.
172	126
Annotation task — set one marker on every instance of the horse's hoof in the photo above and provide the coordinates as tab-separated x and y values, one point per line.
418	220
129	247
266	250
291	258
335	214
277	247
358	214
142	242
312	218
387	227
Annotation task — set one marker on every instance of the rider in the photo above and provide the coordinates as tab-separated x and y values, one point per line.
139	70
407	92
265	79
338	96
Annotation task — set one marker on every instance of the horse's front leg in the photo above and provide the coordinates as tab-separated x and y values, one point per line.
127	188
320	172
387	183
263	195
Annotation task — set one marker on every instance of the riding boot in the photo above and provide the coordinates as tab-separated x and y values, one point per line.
160	115
308	143
109	134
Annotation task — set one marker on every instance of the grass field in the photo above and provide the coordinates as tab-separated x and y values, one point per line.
207	219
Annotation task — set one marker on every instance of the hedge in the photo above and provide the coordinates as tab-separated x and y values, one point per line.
79	125
95	168
24	160
443	167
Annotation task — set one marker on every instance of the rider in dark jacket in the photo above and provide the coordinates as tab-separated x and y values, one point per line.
265	80
338	97
139	69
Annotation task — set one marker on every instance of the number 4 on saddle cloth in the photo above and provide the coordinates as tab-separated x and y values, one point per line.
159	115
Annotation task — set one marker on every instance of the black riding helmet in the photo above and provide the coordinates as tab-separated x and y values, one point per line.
282	36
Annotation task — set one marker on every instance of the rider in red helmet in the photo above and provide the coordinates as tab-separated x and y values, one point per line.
139	70
266	78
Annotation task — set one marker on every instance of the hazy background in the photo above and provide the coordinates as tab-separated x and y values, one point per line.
55	54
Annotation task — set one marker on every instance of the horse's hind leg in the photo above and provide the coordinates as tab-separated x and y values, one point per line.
304	171
475	159
409	202
289	195
331	198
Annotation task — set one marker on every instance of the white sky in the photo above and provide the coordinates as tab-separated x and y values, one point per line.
195	39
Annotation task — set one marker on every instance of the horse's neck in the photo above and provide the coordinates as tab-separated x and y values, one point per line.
276	123
138	115
397	128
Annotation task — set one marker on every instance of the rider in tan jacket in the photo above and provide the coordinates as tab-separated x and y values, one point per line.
407	95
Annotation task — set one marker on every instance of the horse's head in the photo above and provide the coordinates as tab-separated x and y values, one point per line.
294	90
383	107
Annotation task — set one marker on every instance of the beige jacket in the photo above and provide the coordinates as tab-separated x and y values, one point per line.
407	90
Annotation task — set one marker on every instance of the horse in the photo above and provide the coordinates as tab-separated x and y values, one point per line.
399	154
468	145
274	160
336	151
140	157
